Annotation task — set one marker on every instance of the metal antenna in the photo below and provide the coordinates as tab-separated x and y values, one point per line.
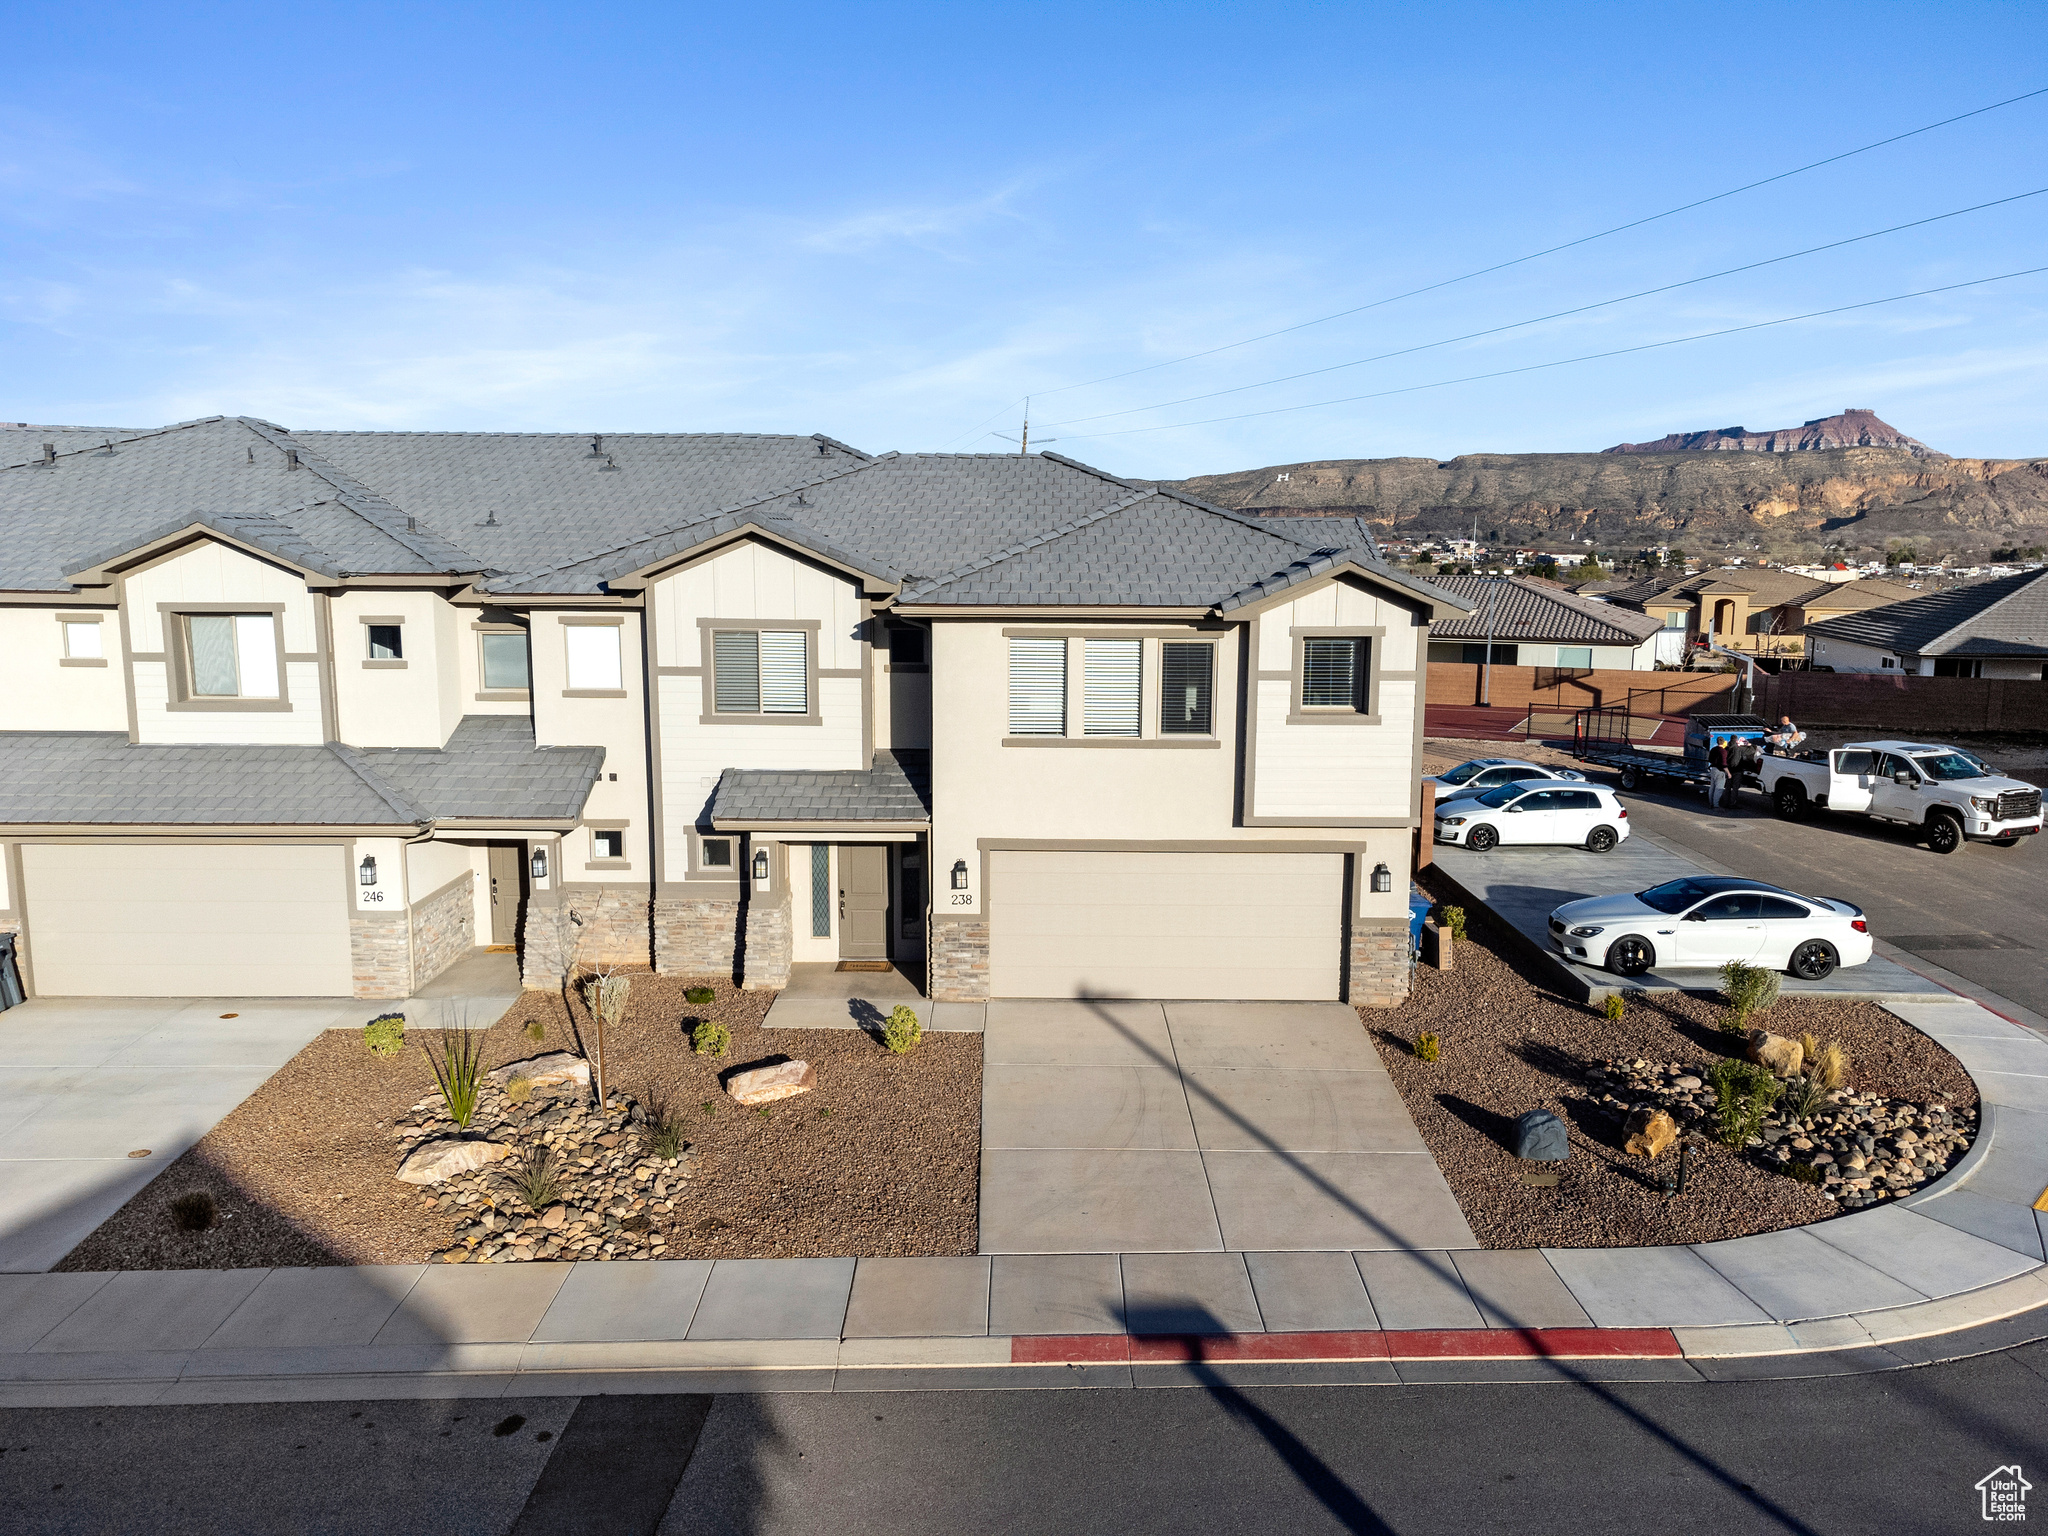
1023	443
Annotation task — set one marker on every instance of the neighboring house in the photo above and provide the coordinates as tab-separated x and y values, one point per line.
1536	624
1994	628
1761	611
313	713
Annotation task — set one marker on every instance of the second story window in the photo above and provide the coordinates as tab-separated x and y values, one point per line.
1109	703
593	658
82	640
387	641
504	660
760	672
1038	685
232	655
1333	672
1187	683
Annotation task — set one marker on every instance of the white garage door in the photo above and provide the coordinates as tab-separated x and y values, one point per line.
191	921
1218	925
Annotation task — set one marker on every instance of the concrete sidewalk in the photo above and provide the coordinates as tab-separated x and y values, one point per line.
821	996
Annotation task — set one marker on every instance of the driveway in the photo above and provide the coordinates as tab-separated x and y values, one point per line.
1115	1126
85	1082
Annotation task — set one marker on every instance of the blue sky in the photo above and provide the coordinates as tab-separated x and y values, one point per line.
889	223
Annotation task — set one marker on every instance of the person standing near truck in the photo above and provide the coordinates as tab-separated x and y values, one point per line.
1784	739
1717	774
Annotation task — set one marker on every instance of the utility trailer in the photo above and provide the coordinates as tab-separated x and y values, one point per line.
1606	737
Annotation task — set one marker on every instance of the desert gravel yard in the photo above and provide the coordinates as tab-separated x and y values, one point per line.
1510	1044
879	1160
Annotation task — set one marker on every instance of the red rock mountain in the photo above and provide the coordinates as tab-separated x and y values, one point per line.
1854	428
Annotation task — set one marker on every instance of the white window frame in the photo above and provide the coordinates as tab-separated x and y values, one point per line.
1043	676
593	657
486	691
74	630
1112	687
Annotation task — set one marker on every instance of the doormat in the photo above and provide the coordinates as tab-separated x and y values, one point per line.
501	949
865	965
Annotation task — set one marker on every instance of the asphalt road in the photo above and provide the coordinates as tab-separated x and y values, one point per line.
1900	1451
1976	911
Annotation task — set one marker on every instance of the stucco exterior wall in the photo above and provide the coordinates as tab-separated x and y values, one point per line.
567	717
43	694
386	704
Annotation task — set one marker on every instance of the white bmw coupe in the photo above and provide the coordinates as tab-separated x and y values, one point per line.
1710	920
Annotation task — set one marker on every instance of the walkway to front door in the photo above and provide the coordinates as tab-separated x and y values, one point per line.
1178	1127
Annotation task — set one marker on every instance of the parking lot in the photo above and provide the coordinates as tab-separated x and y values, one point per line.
1976	912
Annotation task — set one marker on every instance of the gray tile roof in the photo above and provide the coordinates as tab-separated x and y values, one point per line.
1526	610
896	789
489	769
2004	616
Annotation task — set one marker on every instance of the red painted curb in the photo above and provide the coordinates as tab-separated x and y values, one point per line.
1399	1344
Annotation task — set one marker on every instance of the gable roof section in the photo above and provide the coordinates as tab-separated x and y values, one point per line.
1525	610
2004	616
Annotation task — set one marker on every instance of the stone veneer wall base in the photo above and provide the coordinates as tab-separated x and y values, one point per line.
443	929
959	959
1379	964
765	966
696	935
380	954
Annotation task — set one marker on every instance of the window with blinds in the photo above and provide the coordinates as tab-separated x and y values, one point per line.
1187	675
1038	686
1333	672
760	672
1109	699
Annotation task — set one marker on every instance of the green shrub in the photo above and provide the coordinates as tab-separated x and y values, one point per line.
902	1030
1612	1007
1452	918
459	1070
710	1038
1806	1173
538	1178
385	1034
660	1129
1749	989
1744	1093
697	997
1427	1046
194	1211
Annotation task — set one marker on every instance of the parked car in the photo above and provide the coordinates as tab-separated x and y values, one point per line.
1709	920
1477	775
1534	811
1948	794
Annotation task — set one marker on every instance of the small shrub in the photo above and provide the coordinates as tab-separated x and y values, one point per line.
1749	989
902	1030
1452	918
194	1211
538	1178
1805	1173
385	1034
1427	1046
518	1089
710	1038
1827	1068
1744	1093
459	1070
536	1031
1612	1008
660	1129
709	1106
697	997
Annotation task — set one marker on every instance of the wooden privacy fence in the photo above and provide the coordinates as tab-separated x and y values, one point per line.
1901	705
1514	689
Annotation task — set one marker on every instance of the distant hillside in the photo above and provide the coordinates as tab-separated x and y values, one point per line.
1854	428
1865	497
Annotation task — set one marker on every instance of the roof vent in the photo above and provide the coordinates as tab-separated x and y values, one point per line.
824	452
596	449
412	525
490	520
49	453
252	455
607	466
800	499
106	450
291	458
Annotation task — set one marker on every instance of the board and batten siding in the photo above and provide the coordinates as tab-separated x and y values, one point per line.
756	581
1342	771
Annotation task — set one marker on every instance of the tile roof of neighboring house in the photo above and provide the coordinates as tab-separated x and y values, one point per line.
2003	616
896	789
1524	610
490	769
1772	587
1870	592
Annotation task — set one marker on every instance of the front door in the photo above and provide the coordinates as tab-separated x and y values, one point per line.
505	871
863	901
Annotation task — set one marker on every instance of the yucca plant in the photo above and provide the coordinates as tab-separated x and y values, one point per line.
538	1178
459	1070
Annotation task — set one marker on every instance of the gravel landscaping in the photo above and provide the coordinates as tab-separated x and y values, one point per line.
879	1159
1509	1043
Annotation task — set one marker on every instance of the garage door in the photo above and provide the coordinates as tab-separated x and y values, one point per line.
190	921
1220	925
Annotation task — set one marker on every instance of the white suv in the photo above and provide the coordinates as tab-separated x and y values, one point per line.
1535	811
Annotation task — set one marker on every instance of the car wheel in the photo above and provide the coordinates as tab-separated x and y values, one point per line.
1601	840
1815	960
1630	956
1482	839
1789	801
1630	778
1944	833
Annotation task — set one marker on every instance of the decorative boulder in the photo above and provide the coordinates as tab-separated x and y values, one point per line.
1649	1132
1540	1136
557	1069
1784	1057
439	1160
764	1085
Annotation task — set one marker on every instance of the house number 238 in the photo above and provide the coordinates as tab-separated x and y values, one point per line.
963	899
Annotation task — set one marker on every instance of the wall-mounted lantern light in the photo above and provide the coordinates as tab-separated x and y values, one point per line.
366	872
760	863
1382	879
538	864
959	874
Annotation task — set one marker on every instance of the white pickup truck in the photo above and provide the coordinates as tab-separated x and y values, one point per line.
1947	793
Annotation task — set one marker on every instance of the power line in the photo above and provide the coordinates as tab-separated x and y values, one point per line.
1554	249
1648	346
1561	314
